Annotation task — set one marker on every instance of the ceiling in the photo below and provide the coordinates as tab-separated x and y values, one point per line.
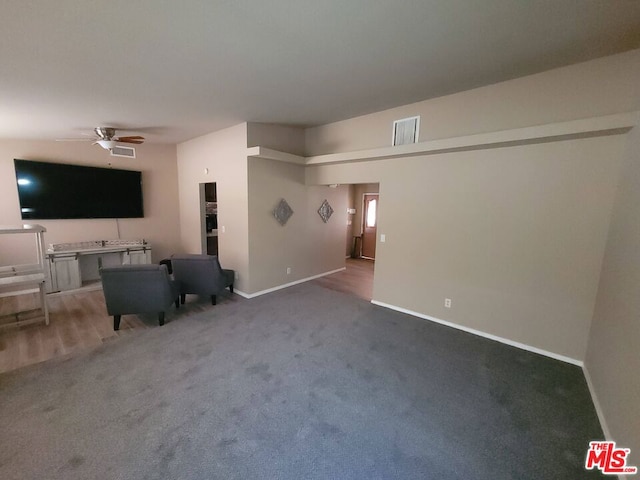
176	70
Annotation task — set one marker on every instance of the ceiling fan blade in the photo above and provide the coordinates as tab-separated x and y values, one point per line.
75	139
129	140
133	137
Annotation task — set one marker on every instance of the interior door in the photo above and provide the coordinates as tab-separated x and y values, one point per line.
369	224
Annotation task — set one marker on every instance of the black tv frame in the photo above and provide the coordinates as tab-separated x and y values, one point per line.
60	191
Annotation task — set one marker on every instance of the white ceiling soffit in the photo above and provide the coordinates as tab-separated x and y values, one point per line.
183	69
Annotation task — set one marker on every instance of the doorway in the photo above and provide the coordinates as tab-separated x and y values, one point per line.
357	278
369	224
209	217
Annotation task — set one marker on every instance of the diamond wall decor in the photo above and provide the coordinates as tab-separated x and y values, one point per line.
282	212
325	211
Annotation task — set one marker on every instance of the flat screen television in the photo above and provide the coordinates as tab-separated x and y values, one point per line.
50	191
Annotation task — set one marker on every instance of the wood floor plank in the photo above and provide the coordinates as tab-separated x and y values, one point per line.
32	346
9	355
7	306
82	324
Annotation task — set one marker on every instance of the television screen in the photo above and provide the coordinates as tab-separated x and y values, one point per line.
58	191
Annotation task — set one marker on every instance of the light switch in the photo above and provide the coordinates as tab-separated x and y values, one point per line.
383	238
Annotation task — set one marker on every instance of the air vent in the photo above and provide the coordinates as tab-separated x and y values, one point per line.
119	151
406	131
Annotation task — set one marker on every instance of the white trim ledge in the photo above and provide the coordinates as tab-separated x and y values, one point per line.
586	127
270	154
480	333
616	124
286	285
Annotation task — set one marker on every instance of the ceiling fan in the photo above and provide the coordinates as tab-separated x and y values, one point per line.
106	138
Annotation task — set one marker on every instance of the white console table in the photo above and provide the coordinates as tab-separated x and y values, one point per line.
73	265
21	279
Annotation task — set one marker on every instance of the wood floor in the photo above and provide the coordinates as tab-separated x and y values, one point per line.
79	320
356	280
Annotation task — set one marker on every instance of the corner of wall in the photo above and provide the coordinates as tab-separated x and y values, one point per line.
611	361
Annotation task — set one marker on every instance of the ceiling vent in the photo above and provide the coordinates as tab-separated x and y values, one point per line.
406	131
120	151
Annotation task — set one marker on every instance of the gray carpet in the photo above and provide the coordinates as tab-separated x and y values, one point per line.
304	383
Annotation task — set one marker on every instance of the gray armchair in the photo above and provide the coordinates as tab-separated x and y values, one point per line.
132	289
201	275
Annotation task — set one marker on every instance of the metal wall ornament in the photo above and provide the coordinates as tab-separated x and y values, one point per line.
325	211
282	212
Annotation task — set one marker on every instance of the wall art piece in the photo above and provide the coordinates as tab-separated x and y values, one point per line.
325	211
282	212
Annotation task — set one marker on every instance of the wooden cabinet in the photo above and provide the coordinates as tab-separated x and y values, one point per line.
74	265
136	257
65	272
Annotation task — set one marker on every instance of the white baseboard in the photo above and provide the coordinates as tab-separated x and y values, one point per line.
286	285
599	412
596	404
480	333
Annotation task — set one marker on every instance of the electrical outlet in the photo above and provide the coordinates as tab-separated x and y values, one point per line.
288	270
383	238
223	229
447	303
237	276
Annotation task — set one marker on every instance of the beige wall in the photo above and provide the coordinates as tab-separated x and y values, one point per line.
600	87
613	361
277	137
161	221
518	234
253	243
224	156
305	244
514	236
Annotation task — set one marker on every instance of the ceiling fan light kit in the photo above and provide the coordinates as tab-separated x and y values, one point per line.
106	144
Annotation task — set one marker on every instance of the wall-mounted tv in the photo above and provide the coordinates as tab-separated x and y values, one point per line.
58	191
